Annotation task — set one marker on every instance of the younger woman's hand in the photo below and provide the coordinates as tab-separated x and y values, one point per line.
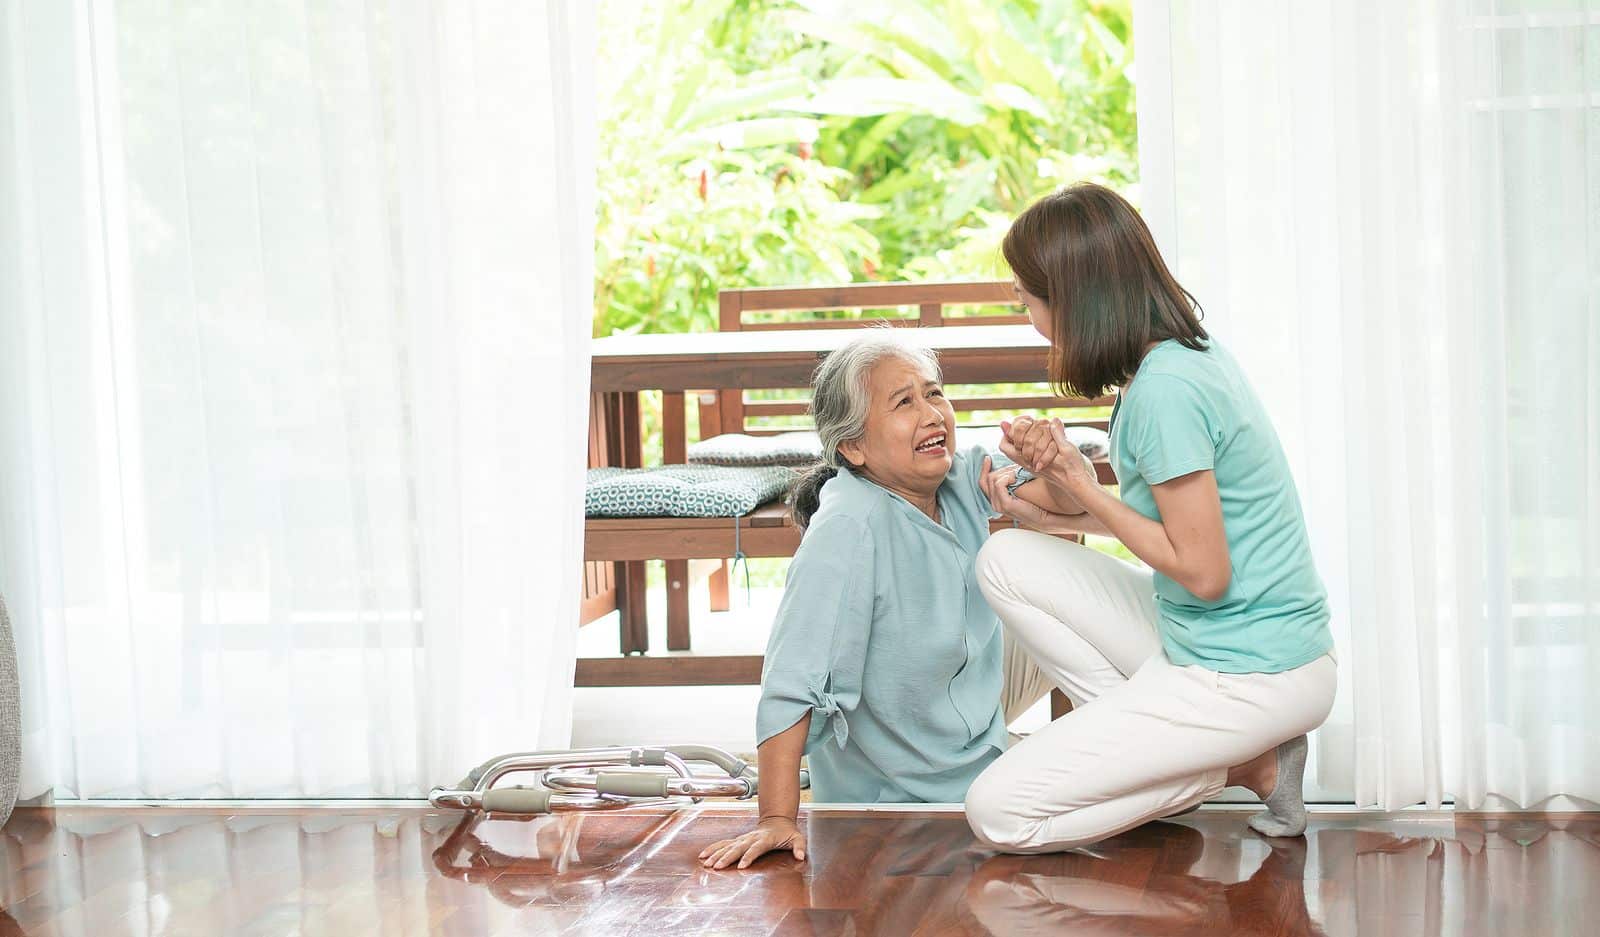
1045	449
996	486
1028	442
770	834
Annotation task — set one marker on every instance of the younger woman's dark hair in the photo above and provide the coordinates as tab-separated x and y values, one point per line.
1087	254
839	403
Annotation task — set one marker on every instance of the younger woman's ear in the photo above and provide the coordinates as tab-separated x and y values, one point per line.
853	453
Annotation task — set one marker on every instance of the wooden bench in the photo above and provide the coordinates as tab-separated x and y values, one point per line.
749	354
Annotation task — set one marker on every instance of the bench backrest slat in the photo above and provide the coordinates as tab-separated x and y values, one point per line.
730	410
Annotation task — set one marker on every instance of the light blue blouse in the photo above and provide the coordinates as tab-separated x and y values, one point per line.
883	636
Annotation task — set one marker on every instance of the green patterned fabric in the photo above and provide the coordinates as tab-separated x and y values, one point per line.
797	450
683	490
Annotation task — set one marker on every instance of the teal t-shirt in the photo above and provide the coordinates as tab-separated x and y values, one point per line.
883	636
1186	411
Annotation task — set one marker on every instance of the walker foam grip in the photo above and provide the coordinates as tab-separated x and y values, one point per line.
630	784
715	756
517	800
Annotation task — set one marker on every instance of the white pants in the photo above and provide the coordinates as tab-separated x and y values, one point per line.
1024	684
1146	738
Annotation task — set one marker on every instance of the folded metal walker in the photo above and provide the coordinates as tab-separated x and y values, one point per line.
601	779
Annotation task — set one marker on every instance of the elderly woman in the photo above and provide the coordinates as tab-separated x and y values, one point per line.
885	663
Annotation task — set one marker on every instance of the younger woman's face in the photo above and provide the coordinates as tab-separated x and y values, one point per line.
1038	315
910	438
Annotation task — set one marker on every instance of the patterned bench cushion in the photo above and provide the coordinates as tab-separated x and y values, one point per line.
792	449
683	490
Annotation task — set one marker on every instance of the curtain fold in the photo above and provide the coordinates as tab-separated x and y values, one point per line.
1391	211
294	324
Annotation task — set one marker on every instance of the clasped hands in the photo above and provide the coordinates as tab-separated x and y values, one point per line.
1042	447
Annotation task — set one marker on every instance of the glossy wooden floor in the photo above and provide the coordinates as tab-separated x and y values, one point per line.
100	872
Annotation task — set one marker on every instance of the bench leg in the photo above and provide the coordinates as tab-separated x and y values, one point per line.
677	605
718	584
630	607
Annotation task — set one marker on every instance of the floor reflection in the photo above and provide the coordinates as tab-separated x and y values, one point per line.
165	871
1101	892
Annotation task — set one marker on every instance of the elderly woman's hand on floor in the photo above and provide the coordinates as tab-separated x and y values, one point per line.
772	833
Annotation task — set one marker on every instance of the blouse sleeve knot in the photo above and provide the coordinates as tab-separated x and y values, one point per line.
826	712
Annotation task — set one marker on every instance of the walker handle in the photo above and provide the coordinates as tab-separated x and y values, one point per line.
524	800
631	784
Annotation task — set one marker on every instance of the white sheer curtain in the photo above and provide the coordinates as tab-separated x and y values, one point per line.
1392	211
294	318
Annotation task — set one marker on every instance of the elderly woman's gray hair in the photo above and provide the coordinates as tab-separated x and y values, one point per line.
840	400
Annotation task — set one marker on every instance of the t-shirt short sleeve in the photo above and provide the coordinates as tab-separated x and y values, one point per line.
1171	429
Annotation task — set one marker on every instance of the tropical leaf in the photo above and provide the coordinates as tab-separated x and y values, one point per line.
1006	96
730	104
872	97
690	87
1108	42
976	181
764	142
874	138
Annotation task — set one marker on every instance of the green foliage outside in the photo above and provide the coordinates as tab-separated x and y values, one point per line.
790	142
805	142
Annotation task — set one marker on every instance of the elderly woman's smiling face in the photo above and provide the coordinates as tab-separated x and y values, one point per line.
910	436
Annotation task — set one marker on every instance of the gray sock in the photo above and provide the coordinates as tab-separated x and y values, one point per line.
1286	807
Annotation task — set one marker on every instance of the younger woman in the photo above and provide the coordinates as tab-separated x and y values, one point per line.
1207	669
